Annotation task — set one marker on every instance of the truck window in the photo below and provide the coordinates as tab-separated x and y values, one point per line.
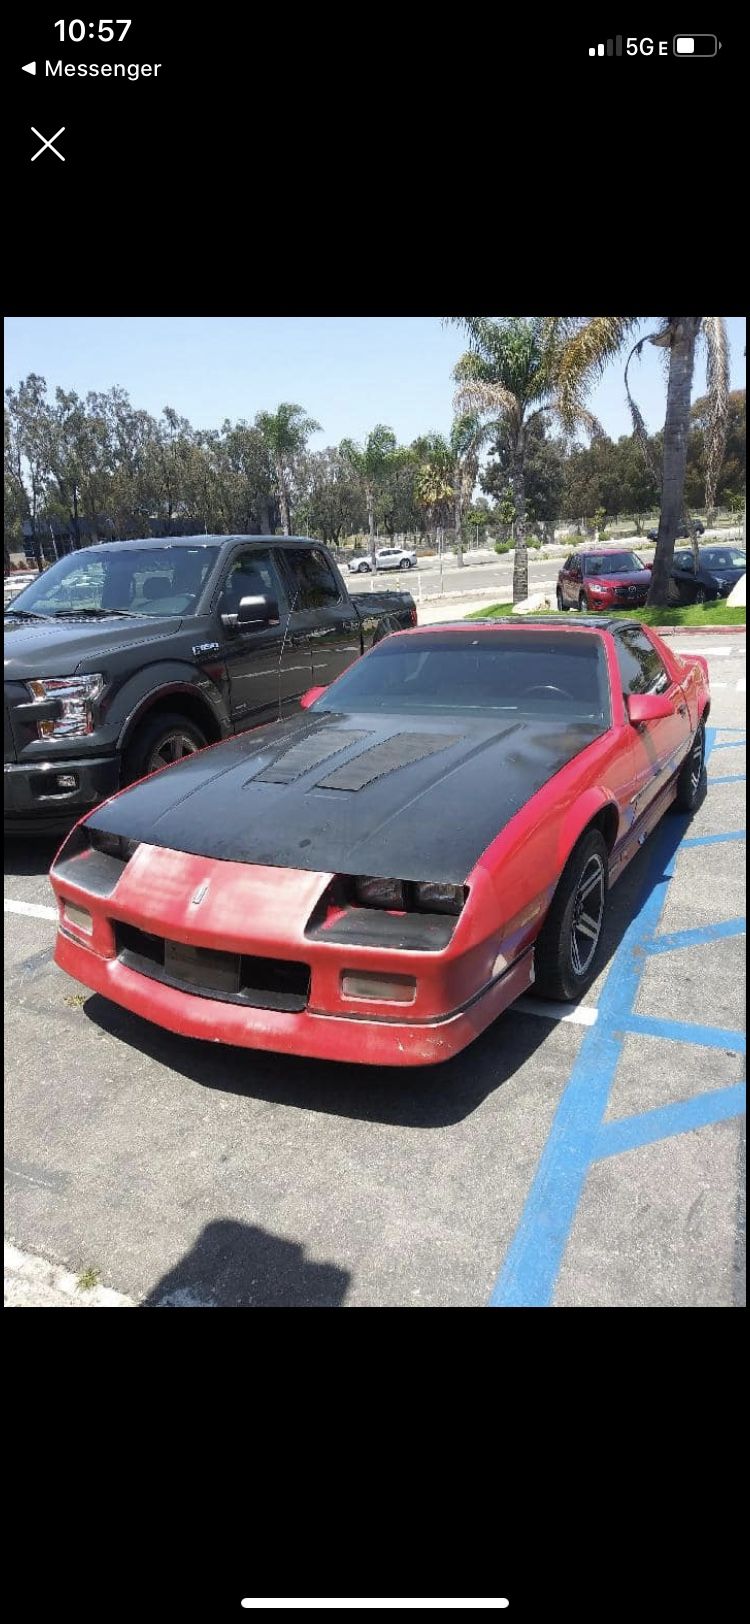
312	579
252	574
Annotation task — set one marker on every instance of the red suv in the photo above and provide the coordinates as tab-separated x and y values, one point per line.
599	578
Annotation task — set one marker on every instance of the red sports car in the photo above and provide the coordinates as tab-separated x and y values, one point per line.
377	878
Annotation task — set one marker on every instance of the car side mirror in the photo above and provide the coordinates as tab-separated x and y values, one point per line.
309	698
253	614
648	708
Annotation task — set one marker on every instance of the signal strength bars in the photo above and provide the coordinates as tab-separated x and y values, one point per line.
613	47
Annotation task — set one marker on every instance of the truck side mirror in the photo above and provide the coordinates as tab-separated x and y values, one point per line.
253	614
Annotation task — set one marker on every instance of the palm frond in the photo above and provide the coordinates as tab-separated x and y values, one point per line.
717	377
586	347
489	399
640	431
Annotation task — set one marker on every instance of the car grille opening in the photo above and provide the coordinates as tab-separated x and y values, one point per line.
282	984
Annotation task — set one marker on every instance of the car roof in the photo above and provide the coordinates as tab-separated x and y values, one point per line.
606	547
519	623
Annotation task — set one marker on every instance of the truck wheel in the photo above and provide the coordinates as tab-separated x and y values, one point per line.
159	743
567	950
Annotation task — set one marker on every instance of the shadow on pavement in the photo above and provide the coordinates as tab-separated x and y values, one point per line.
31	854
236	1265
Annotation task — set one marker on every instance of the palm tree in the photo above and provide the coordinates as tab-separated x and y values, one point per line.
286	432
468	435
590	343
370	463
510	377
434	482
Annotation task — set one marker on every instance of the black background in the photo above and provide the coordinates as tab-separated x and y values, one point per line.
341	160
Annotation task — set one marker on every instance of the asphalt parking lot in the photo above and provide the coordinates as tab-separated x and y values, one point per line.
592	1161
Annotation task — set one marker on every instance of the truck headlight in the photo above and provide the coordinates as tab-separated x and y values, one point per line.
75	696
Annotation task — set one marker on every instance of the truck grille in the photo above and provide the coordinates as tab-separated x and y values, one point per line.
232	977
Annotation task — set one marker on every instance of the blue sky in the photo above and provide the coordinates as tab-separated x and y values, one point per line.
348	372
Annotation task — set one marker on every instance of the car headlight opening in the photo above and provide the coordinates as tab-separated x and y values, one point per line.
75	698
407	896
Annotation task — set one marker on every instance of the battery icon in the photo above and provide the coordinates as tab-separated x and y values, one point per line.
695	45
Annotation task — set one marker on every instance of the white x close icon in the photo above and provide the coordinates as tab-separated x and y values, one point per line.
47	144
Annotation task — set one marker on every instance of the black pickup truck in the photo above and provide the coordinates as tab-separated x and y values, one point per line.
124	657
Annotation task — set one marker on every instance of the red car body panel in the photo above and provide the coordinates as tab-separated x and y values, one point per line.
628	774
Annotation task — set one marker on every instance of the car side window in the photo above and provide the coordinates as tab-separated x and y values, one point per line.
641	669
313	583
252	574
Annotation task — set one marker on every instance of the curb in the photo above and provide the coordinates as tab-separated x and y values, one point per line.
34	1282
699	631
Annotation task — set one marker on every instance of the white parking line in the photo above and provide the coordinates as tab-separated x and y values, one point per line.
35	910
575	1014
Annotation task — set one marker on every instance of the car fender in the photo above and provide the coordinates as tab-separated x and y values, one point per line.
579	816
156	682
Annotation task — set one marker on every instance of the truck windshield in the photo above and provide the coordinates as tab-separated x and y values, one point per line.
156	582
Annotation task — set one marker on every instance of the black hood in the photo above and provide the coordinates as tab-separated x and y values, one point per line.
405	797
55	648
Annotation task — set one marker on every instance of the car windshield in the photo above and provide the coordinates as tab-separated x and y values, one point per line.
611	563
534	675
154	581
723	558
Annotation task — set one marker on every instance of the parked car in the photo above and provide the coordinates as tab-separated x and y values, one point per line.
600	578
720	568
124	657
683	531
15	582
378	877
386	558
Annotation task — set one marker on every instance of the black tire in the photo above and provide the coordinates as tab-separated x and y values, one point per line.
701	595
566	957
158	743
582	604
691	782
364	569
561	604
405	564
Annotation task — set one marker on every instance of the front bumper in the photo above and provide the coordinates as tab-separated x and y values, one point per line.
233	908
353	1039
34	797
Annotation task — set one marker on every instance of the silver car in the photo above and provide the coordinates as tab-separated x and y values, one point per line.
386	558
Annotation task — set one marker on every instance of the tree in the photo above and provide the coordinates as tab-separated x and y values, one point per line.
329	495
27	449
589	343
286	433
731	479
545	468
371	463
510	377
434	485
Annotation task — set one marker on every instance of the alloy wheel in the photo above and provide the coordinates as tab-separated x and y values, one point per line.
172	748
588	913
